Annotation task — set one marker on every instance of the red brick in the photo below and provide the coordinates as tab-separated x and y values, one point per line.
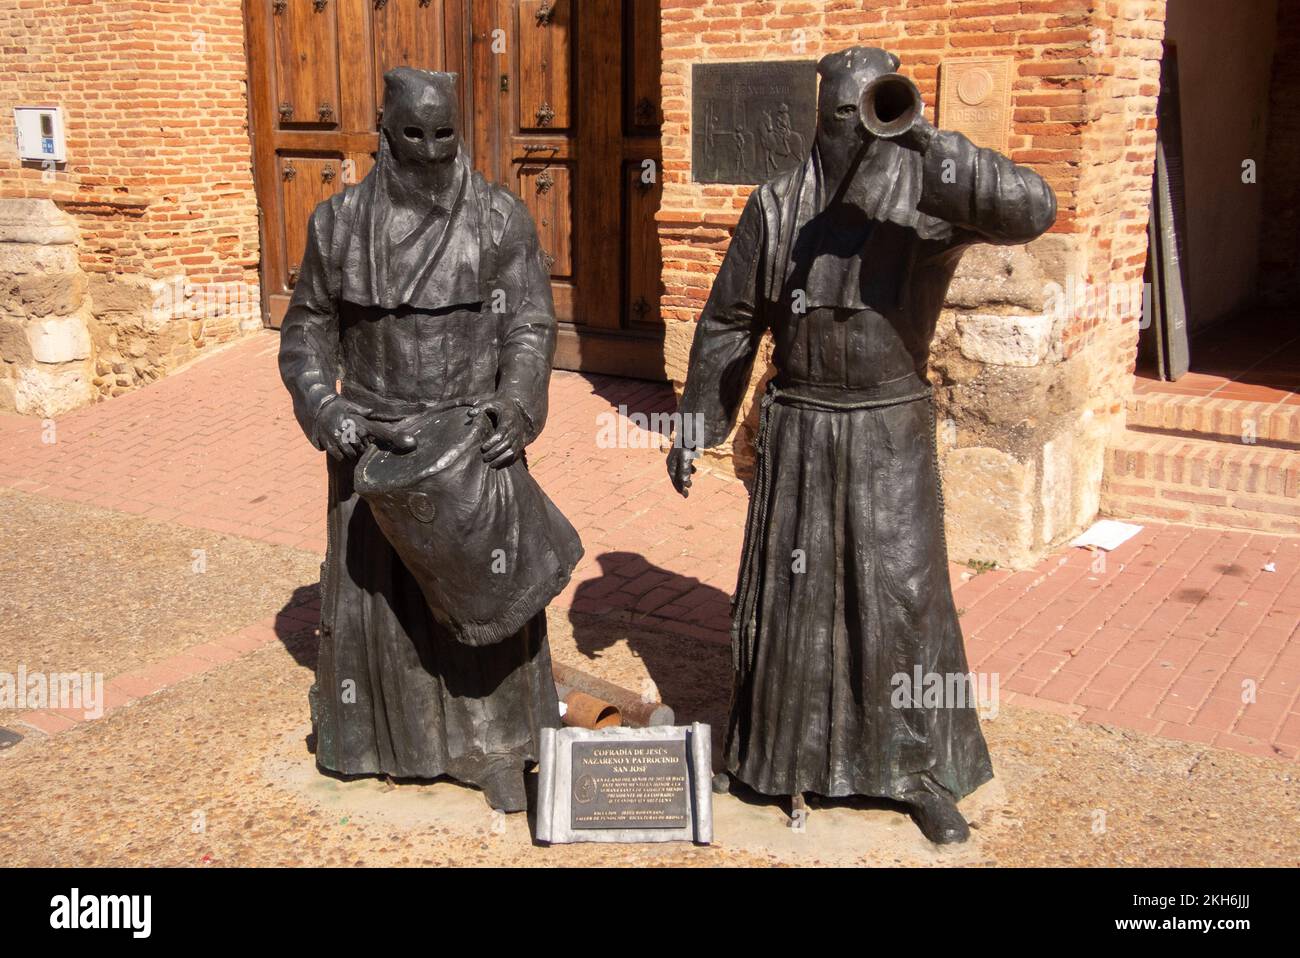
47	721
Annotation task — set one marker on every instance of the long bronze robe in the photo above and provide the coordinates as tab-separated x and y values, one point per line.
406	326
844	583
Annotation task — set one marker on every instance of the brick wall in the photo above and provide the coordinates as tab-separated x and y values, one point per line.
159	174
1048	38
1118	142
1030	434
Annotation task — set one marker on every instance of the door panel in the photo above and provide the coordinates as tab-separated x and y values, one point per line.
643	46
579	95
546	190
304	182
408	33
545	48
642	197
538	159
315	80
600	153
487	127
561	100
306	55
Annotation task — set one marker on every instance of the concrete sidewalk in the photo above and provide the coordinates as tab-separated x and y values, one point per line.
1185	633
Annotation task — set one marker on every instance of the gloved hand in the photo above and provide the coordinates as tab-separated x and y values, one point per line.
917	137
510	431
681	466
343	429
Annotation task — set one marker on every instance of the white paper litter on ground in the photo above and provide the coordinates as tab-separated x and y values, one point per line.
1271	567
1107	534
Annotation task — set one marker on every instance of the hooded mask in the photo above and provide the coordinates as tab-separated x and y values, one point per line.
423	178
844	75
421	124
847	241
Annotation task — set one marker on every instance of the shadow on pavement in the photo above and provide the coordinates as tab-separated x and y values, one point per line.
691	674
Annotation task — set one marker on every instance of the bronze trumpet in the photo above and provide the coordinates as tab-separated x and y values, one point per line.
891	106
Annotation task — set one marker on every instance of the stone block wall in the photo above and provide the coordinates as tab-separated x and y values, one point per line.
45	347
159	172
1033	358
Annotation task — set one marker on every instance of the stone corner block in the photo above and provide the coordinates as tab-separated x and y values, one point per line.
1005	340
59	340
989	506
45	390
35	221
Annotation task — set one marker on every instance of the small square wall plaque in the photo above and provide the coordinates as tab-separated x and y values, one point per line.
975	99
626	785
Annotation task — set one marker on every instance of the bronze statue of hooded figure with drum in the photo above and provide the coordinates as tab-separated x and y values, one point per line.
843	590
424	292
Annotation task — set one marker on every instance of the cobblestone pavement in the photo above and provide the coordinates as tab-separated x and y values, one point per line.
206	762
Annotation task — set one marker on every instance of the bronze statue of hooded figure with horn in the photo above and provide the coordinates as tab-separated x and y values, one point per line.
843	595
424	291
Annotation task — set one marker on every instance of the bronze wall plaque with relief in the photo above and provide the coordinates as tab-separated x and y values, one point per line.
751	121
975	99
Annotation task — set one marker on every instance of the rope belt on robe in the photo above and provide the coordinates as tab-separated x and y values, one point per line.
800	396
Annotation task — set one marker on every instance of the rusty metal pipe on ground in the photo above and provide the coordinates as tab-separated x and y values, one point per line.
586	711
634	710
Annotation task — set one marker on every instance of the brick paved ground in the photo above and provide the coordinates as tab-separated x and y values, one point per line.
1162	636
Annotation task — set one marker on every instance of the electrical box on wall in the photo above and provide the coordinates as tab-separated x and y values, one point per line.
40	133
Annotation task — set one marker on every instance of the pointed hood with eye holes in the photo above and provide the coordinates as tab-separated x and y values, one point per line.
844	75
843	213
421	120
436	266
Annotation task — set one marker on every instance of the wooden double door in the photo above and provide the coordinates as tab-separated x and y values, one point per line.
561	104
